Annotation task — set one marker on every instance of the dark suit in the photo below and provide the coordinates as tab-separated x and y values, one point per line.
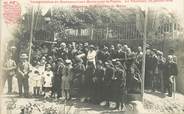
23	71
171	70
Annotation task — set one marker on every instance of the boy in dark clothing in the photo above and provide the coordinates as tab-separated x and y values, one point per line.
98	82
109	72
118	83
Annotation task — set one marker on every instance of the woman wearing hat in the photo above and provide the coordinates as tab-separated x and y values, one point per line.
23	71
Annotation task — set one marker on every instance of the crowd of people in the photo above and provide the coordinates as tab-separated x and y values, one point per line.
91	72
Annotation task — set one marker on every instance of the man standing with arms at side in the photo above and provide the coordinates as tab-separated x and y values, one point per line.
171	73
22	77
9	69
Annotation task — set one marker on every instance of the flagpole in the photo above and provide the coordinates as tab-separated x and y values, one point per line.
31	34
144	49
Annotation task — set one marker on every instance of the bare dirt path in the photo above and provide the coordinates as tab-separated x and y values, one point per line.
153	103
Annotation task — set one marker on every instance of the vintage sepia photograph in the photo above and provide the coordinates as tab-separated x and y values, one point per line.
92	57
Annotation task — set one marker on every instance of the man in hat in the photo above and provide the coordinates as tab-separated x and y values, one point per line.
139	57
9	70
172	53
62	51
121	53
91	55
148	70
112	52
23	71
161	64
78	74
109	72
106	54
118	83
58	73
133	79
154	68
171	73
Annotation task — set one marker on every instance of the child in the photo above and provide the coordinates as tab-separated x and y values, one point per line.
36	83
66	80
47	81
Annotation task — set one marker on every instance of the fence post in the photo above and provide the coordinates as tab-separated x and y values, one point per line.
107	33
144	50
92	32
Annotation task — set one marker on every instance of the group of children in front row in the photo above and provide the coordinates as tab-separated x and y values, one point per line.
41	80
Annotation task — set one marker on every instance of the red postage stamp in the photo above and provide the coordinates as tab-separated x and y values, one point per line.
11	11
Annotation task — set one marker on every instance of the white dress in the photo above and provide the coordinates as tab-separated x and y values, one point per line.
47	77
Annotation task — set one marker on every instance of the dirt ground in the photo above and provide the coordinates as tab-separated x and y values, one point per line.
154	102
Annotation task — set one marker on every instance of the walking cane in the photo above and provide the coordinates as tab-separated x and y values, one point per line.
174	87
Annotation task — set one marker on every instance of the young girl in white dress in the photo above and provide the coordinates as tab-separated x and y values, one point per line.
47	81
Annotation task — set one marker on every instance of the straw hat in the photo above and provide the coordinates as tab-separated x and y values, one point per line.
48	66
68	61
23	56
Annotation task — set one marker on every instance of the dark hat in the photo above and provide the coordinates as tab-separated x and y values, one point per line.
109	63
118	64
99	62
105	48
78	60
60	60
49	57
132	56
48	66
171	51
